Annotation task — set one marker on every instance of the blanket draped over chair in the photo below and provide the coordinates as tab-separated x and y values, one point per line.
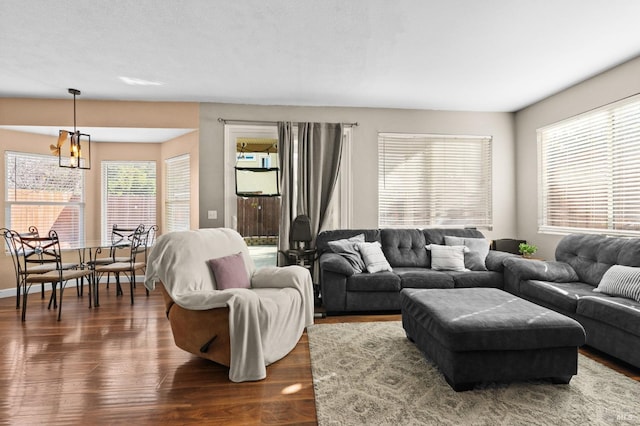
265	321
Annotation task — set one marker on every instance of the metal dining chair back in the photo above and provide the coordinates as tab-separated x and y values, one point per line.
150	238
126	265
40	254
14	245
121	237
122	234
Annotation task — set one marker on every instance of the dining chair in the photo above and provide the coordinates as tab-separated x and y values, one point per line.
150	239
12	240
120	238
127	265
10	246
39	253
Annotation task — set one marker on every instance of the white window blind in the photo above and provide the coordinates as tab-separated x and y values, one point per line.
40	193
178	193
128	194
434	181
589	171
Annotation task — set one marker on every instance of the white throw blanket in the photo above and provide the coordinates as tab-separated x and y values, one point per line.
265	322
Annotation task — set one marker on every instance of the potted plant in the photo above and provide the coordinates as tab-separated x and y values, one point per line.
527	250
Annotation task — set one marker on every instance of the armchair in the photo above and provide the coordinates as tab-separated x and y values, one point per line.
245	329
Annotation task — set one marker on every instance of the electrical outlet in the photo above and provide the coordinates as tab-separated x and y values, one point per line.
212	214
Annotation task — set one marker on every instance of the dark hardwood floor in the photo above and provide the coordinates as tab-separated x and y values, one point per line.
117	364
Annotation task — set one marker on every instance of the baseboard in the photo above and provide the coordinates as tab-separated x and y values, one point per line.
11	292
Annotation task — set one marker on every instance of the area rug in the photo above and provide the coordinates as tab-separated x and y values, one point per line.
371	374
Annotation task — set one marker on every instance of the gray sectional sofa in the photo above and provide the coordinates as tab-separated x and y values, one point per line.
612	323
344	290
566	285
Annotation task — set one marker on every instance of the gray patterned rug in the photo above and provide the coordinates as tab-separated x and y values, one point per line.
371	374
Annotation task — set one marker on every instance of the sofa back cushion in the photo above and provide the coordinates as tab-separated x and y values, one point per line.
436	235
592	255
322	241
404	247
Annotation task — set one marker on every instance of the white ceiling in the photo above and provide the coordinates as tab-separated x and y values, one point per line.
490	55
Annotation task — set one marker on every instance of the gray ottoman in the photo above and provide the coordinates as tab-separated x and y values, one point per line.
488	335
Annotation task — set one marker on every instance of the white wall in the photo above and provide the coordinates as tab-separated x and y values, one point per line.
610	86
364	167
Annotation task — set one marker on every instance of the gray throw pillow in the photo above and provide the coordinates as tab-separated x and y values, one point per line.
478	250
623	281
373	257
447	258
347	249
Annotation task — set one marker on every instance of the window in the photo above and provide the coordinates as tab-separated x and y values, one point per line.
128	194
340	206
42	194
434	181
178	193
589	171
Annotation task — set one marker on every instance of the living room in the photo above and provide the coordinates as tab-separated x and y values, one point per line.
513	130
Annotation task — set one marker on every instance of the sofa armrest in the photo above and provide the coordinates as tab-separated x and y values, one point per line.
525	269
292	276
495	259
333	262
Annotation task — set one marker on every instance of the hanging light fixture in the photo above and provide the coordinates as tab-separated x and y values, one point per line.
79	144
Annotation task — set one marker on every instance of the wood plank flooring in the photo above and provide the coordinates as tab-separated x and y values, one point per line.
118	364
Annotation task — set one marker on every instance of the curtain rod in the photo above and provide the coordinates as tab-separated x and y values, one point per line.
229	120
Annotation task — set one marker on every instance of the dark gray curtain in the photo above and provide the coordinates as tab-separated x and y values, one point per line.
319	152
287	208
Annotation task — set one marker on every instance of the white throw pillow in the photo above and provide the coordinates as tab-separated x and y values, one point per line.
623	281
447	258
478	251
373	257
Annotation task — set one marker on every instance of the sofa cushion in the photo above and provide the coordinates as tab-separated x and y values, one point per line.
347	249
623	281
561	296
592	255
436	235
619	312
478	251
404	247
382	281
424	278
468	279
373	257
447	258
323	238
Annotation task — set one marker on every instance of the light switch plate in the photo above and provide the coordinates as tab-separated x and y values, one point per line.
212	214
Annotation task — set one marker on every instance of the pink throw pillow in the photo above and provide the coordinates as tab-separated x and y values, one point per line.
229	272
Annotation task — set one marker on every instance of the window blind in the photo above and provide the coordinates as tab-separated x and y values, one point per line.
434	180
589	171
128	194
42	194
178	193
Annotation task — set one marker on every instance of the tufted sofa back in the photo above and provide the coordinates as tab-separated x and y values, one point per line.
404	247
436	235
591	255
401	247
